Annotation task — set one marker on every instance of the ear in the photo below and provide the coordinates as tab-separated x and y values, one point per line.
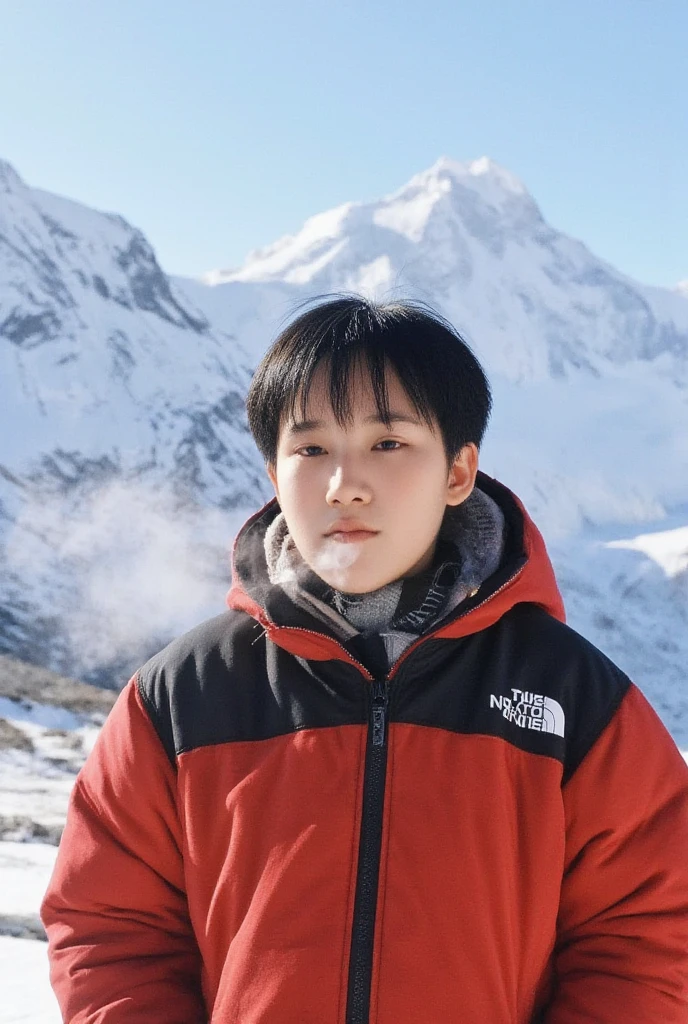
270	470
462	475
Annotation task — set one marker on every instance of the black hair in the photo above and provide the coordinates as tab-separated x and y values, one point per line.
443	379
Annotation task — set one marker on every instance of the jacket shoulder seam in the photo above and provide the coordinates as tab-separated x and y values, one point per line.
592	735
155	720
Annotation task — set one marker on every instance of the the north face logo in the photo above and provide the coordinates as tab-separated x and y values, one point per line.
531	711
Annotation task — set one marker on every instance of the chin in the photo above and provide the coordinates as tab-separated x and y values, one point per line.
351	585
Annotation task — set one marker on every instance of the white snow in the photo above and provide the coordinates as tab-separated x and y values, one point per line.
35	783
25	870
120	350
27	997
669	548
45	715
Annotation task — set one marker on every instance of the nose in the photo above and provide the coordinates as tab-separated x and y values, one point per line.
347	486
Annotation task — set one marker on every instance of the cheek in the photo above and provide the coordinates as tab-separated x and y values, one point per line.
423	500
300	492
288	475
422	475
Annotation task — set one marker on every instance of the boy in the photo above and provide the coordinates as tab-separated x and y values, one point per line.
389	785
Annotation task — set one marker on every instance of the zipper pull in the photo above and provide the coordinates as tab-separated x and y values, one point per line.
379	710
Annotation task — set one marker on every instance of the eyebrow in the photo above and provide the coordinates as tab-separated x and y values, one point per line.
394	417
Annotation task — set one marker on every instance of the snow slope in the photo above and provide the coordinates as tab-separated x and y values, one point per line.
26	994
105	368
111	383
43	744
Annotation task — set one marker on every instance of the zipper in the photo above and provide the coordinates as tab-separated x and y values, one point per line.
314	632
370	844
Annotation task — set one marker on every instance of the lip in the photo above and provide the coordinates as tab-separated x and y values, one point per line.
350	529
351	536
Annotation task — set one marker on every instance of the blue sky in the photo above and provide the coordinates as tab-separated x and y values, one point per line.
218	127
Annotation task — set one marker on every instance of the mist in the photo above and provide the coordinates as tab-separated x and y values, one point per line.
124	570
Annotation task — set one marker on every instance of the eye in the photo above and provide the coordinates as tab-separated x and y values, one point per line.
390	440
307	450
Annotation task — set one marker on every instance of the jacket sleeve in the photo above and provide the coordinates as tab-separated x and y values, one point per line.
622	945
120	943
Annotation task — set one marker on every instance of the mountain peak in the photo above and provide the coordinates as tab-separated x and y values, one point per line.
479	171
484	179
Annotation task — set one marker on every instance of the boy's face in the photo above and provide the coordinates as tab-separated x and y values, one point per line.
394	485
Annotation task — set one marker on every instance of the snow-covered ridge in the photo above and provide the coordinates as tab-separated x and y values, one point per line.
470	238
297	258
92	331
74	251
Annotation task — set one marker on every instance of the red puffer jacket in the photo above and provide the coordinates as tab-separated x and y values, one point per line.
494	833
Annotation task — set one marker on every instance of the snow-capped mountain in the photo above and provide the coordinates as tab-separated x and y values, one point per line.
125	465
534	303
570	344
110	382
104	367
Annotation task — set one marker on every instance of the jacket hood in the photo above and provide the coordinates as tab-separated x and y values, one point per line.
525	575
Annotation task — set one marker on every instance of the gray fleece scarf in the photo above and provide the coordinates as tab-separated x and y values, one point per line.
469	550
